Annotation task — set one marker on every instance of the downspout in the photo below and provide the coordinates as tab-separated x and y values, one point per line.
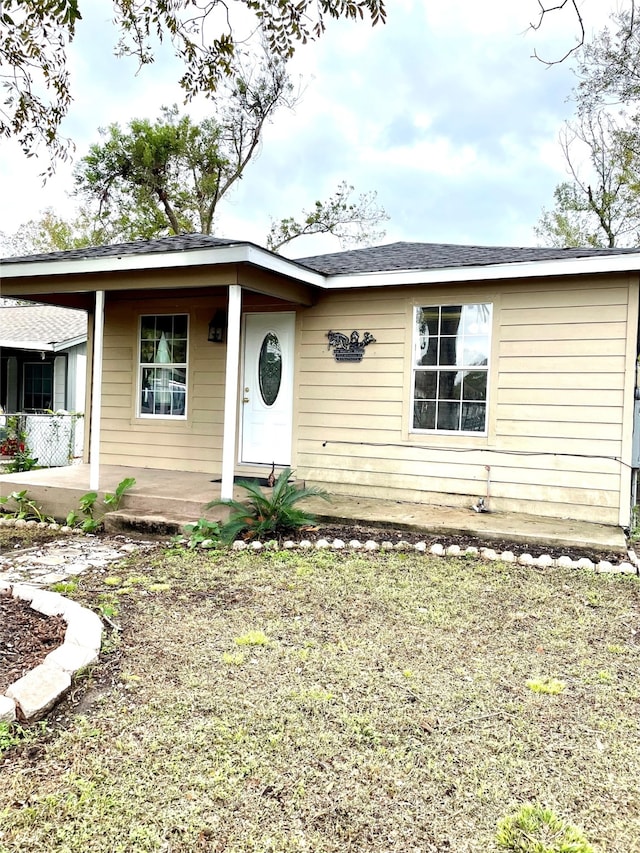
230	428
96	392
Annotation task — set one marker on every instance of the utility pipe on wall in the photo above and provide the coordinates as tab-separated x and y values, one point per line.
96	392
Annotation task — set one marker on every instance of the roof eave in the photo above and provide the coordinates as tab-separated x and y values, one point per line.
237	254
32	346
69	343
43	346
247	253
492	272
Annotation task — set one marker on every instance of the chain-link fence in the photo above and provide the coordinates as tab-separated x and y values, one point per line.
47	440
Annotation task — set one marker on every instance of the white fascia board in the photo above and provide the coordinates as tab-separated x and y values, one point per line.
238	254
529	269
283	266
70	342
36	346
245	253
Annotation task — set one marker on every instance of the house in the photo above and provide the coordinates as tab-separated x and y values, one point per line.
415	372
42	358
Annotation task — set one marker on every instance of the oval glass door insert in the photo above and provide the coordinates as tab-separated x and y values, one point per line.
270	368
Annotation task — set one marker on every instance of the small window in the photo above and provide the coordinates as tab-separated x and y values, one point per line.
38	386
270	368
450	367
163	365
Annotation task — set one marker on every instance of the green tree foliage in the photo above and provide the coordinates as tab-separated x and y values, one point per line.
600	205
207	36
168	176
51	233
352	221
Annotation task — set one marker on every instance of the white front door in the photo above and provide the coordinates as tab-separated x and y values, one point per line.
267	390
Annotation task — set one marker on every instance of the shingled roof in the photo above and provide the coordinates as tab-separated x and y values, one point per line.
433	256
180	243
40	327
391	257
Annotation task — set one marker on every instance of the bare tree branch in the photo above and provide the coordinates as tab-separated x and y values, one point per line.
546	10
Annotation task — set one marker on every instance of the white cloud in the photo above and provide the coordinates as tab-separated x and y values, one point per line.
437	155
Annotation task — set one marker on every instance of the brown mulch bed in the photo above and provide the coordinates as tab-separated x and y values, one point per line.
379	534
26	638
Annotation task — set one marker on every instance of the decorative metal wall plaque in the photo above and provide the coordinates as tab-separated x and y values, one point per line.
349	348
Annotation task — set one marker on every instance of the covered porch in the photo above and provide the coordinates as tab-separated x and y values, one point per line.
180	401
177	497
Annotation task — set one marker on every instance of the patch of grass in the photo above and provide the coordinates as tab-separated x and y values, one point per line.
534	829
14	735
12	539
551	686
388	710
66	588
252	638
233	658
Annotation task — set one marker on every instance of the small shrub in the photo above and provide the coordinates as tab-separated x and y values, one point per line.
22	461
14	447
534	829
23	507
86	519
201	531
263	515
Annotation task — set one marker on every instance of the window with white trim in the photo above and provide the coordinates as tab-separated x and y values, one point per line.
163	345
451	348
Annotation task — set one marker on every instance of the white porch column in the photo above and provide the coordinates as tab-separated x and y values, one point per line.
96	392
230	429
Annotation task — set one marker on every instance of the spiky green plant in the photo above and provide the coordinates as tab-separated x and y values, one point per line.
534	829
263	514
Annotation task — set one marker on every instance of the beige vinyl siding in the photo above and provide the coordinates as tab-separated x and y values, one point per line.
193	443
560	391
559	403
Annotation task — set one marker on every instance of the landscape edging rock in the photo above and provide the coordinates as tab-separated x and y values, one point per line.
545	561
30	697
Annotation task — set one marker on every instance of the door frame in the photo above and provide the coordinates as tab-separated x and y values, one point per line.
293	317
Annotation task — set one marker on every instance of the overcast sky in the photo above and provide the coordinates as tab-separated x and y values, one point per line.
442	112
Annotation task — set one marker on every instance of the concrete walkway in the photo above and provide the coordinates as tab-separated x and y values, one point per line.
179	496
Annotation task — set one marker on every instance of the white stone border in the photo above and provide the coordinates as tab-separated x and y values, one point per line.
20	524
30	697
545	561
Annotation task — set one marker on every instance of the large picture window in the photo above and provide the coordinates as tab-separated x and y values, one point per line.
450	367
163	364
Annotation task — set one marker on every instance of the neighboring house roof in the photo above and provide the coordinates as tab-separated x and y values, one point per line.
41	327
392	264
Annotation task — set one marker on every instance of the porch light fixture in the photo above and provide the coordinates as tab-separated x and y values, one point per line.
217	327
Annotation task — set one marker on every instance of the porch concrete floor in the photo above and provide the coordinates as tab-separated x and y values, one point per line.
179	496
